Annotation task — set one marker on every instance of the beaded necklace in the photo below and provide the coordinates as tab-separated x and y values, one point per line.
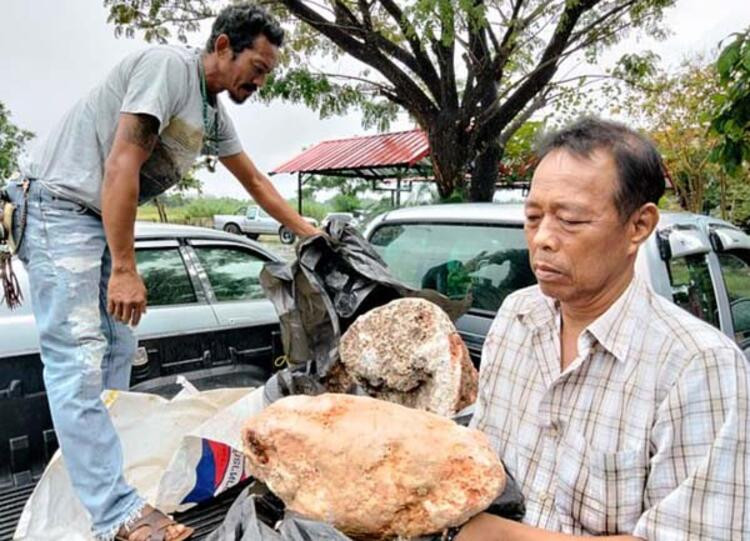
210	141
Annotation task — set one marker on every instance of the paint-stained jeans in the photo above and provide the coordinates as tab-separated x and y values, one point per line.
83	349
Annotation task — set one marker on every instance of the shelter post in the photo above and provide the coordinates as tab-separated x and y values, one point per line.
299	192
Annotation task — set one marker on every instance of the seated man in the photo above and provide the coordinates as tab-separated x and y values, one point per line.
617	412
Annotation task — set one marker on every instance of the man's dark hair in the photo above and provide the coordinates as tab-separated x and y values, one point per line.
243	23
640	169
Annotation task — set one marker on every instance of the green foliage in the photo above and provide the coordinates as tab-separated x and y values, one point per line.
345	203
457	196
312	208
342	185
206	207
518	159
675	111
155	17
12	141
181	209
731	110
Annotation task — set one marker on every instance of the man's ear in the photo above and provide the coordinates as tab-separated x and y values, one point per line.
222	45
642	223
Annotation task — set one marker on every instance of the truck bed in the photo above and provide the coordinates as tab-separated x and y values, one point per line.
205	518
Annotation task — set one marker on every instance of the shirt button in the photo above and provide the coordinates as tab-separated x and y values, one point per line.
546	497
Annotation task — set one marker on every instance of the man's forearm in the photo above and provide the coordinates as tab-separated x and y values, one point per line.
119	208
486	527
134	140
265	194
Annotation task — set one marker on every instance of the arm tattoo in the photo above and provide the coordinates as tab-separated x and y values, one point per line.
143	132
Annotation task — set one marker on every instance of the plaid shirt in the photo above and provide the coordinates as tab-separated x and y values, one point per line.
645	433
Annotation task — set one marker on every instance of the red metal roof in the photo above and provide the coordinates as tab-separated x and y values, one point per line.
402	149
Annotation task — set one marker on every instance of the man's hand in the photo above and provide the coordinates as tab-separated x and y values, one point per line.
481	527
126	296
310	231
486	527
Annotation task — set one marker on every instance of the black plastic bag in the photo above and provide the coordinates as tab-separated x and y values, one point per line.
255	508
337	277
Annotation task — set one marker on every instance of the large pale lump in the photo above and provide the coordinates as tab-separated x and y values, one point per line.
371	468
409	352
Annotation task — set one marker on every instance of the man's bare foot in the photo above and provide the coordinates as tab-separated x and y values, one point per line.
151	525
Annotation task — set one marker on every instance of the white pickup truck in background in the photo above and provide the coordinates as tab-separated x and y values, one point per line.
254	221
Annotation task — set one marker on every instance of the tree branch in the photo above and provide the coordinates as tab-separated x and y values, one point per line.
500	115
539	101
426	69
418	103
605	16
445	56
369	35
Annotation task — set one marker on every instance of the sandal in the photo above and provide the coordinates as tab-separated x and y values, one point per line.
157	523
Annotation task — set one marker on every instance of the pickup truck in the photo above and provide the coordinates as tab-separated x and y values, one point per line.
253	221
700	263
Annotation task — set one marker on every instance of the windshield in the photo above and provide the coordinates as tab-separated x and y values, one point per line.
490	262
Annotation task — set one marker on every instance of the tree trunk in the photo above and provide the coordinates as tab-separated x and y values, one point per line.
449	156
161	210
484	175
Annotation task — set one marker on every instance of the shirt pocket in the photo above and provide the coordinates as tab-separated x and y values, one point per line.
599	492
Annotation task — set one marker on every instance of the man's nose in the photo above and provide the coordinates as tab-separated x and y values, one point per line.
545	236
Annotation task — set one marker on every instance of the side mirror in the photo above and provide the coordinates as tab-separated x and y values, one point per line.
681	241
726	239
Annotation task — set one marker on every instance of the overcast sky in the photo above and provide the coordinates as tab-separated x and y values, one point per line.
54	51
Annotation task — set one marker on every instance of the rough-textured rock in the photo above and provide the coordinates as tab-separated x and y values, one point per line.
409	352
371	468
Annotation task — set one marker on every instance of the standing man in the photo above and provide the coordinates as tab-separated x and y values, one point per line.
618	413
130	139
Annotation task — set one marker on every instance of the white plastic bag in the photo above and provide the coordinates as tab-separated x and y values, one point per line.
176	453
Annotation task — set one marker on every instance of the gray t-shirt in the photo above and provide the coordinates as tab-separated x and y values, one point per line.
161	81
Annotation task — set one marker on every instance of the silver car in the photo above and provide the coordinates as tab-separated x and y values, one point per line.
207	316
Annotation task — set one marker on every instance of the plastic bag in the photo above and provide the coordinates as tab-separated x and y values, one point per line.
175	453
255	508
336	277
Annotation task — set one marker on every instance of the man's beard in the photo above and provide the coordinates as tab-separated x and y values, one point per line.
237	99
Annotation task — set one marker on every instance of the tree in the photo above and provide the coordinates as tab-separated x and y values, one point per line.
345	186
731	120
675	110
12	141
469	72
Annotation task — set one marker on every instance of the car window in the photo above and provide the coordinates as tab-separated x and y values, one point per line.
736	273
457	259
263	214
232	272
165	276
692	288
252	212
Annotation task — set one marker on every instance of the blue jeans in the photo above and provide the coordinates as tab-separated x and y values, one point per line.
84	350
